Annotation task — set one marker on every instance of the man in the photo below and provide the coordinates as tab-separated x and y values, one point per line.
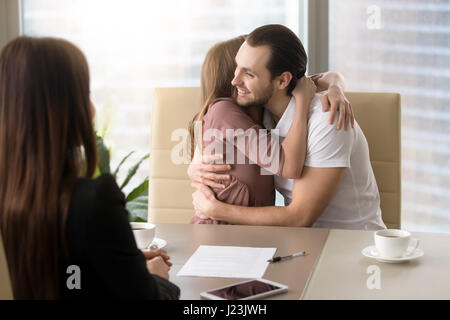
337	188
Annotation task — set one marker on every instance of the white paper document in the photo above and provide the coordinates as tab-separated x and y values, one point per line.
228	262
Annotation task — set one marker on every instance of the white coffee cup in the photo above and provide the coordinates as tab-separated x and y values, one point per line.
394	243
144	233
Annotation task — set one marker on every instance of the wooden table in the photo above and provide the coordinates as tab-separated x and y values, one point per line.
333	269
342	271
183	240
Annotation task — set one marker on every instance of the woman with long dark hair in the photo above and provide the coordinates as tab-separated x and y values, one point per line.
53	215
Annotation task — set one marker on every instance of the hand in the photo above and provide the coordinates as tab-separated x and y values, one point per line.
339	103
202	170
157	253
316	78
305	89
159	267
204	201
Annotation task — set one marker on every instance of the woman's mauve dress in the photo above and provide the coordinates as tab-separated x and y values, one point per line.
247	186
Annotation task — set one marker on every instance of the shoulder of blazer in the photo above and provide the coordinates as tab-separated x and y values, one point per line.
96	195
106	189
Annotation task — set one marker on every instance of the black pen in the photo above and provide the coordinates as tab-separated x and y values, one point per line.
276	259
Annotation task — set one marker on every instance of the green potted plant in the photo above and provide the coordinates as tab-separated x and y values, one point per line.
137	199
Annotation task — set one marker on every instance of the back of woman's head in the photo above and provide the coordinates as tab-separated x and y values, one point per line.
218	70
46	141
216	76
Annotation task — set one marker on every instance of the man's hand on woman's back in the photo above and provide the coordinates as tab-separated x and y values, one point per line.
203	170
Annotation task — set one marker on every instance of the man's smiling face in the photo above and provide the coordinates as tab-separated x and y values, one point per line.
252	79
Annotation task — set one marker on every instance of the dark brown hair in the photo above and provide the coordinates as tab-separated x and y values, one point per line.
287	51
216	76
46	142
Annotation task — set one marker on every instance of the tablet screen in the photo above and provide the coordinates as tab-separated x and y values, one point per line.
244	290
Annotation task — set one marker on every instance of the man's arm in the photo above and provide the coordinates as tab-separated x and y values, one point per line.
311	194
203	170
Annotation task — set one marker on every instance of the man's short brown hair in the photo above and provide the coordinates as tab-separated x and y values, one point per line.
287	51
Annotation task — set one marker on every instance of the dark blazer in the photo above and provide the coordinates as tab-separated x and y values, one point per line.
101	243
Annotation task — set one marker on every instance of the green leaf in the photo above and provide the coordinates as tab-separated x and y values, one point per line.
103	156
137	203
133	171
121	163
141	190
97	172
105	116
138	209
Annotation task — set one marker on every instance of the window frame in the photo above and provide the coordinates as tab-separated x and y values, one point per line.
315	28
11	20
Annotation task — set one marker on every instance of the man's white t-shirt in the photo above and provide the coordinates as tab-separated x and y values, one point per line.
356	204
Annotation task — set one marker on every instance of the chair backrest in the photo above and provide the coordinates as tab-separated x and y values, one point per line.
5	282
170	191
379	116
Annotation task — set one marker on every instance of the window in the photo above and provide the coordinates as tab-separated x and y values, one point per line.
133	46
404	46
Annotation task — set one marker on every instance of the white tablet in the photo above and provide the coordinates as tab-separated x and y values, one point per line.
246	290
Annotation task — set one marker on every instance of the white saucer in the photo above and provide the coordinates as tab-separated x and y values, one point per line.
372	252
161	243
